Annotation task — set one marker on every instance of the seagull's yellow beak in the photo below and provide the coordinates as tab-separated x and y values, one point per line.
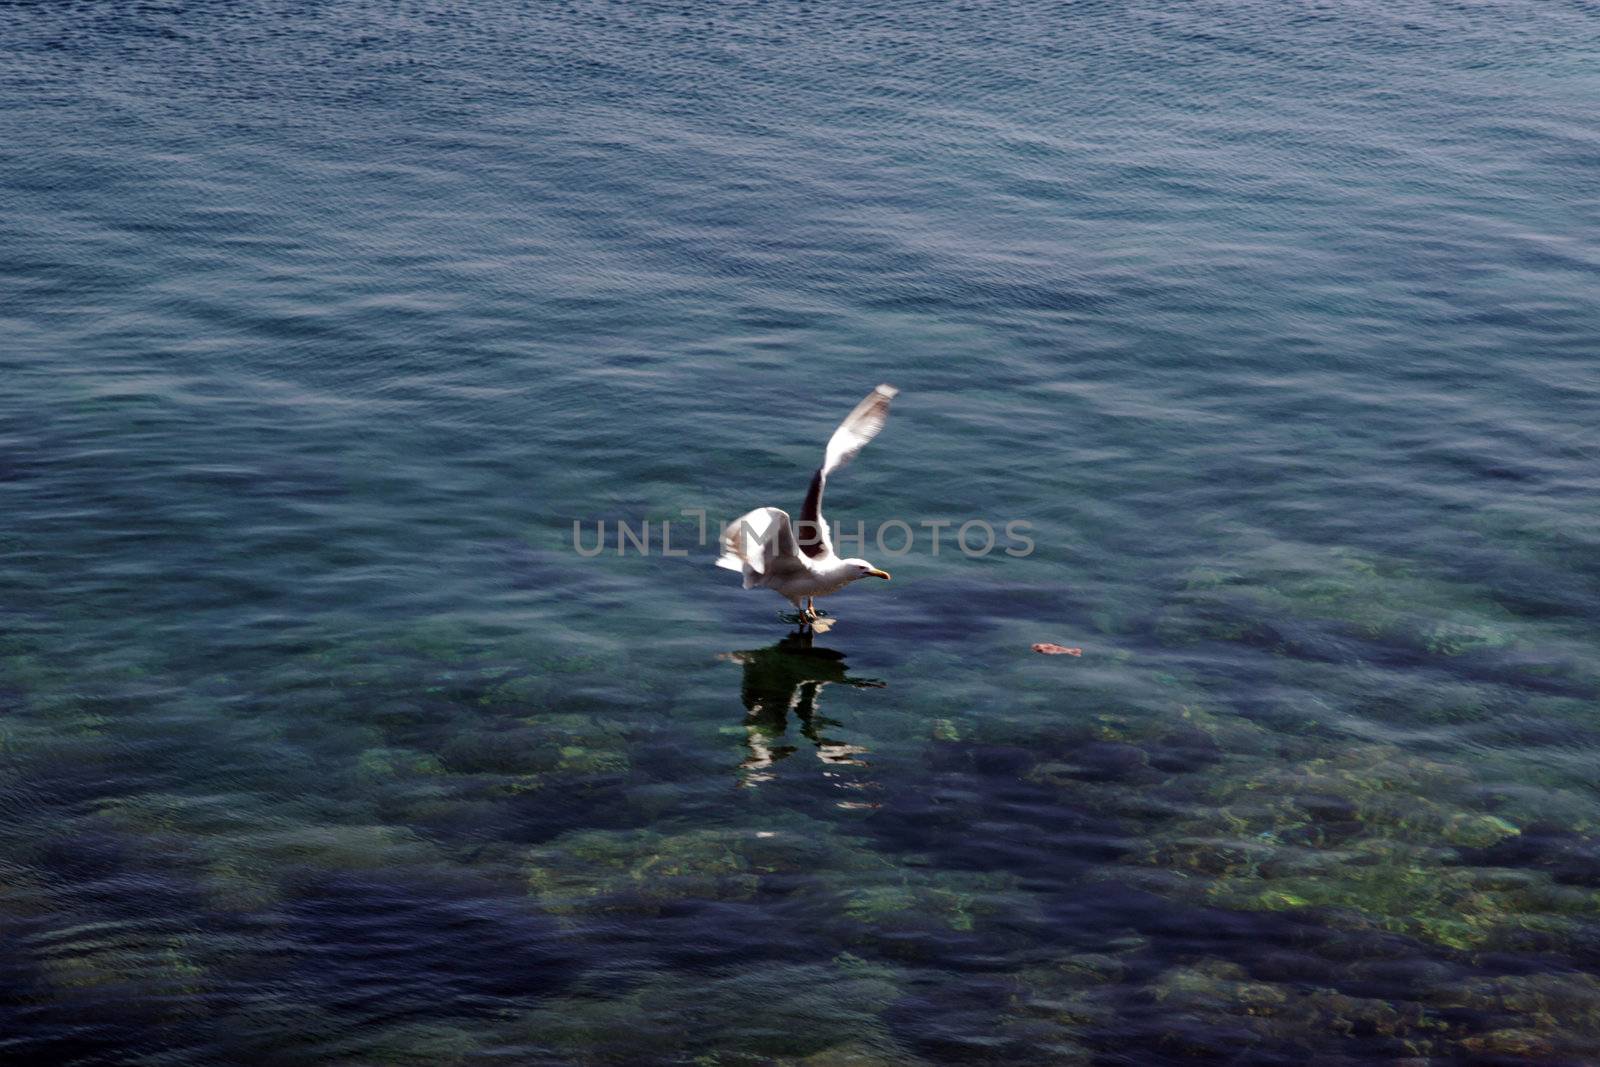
876	573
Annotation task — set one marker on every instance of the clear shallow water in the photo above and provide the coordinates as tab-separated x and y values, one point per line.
318	743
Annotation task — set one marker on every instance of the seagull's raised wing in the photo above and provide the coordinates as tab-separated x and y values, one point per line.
760	543
858	427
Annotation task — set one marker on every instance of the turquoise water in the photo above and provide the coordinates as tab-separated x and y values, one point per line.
323	324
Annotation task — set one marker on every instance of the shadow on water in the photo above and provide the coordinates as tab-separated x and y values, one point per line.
790	677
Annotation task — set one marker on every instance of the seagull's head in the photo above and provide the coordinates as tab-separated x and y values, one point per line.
860	568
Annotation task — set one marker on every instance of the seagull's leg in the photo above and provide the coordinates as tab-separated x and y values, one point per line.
811	610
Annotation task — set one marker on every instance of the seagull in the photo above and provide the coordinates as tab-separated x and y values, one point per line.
799	563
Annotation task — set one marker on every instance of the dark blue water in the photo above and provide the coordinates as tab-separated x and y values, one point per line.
320	325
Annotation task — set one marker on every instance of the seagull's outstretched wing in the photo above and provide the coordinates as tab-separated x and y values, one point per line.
858	427
761	544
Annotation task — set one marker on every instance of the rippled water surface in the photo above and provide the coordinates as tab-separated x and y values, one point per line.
321	324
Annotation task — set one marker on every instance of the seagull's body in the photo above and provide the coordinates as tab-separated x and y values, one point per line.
797	560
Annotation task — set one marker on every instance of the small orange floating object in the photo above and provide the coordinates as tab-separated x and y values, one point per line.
1057	650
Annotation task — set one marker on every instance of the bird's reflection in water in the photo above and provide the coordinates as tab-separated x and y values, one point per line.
790	677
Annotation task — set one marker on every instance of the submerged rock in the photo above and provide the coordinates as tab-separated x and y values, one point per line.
642	870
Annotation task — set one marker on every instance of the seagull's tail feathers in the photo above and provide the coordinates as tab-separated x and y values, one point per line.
858	427
744	542
750	575
734	563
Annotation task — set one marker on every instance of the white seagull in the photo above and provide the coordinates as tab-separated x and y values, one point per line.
800	563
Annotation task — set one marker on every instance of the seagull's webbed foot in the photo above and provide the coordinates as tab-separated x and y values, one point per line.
807	618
